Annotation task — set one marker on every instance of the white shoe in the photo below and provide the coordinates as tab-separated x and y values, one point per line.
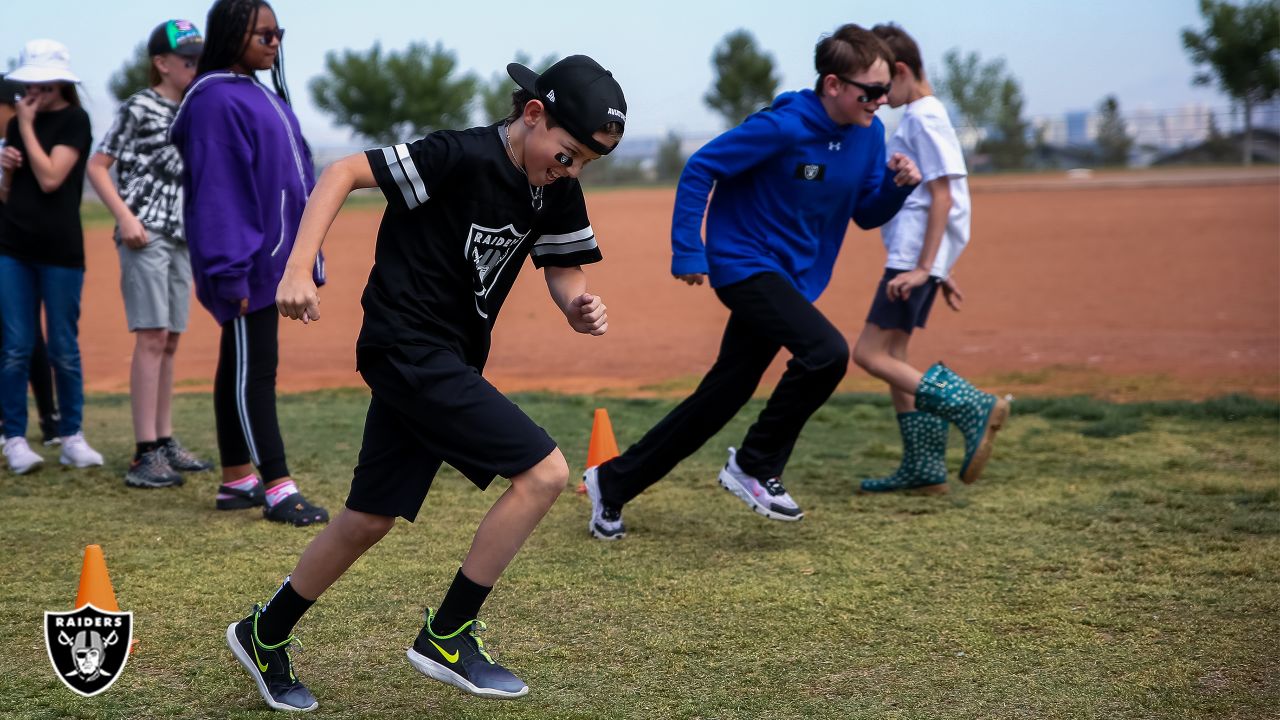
606	522
766	497
77	453
22	459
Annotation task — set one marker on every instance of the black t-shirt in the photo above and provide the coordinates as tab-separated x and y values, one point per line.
41	227
460	221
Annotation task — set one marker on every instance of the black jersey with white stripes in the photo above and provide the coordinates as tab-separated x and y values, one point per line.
461	219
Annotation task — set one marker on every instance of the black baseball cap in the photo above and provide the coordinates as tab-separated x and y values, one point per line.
175	36
579	94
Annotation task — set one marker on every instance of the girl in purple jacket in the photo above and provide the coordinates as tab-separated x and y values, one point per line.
247	176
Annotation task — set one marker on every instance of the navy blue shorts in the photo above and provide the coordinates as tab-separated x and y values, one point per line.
432	410
905	315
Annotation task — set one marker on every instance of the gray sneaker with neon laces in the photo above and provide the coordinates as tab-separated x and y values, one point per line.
460	659
270	666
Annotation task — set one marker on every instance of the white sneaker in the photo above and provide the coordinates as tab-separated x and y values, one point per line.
766	497
606	521
77	453
22	459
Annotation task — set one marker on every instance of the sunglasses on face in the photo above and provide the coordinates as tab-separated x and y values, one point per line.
870	93
266	36
38	89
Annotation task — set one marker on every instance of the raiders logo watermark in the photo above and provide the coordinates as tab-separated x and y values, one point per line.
490	249
88	647
810	171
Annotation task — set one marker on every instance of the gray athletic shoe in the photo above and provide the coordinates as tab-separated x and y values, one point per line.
182	459
270	666
151	471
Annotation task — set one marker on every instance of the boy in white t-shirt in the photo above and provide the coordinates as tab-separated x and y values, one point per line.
923	241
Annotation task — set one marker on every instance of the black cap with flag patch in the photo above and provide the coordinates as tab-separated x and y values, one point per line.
579	94
179	37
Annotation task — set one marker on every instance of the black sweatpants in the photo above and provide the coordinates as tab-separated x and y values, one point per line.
244	394
767	313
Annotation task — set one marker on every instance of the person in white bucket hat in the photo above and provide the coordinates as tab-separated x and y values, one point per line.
42	248
44	61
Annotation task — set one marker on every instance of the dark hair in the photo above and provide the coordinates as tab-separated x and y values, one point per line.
902	46
153	75
850	49
8	89
70	94
225	41
521	97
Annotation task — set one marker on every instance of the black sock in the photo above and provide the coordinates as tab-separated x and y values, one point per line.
144	447
460	605
164	441
282	612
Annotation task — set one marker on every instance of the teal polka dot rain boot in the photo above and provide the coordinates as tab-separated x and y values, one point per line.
924	458
978	415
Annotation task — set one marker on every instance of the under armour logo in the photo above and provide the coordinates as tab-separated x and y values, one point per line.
551	96
833	146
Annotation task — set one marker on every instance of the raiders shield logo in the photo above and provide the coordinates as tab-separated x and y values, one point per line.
88	647
489	250
810	171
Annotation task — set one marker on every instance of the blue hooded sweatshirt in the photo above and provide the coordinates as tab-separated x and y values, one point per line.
247	175
787	181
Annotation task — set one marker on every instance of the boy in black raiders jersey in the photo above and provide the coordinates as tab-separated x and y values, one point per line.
465	208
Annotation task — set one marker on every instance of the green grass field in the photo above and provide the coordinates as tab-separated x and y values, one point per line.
1115	562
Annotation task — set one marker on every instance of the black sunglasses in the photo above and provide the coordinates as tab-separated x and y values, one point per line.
265	36
871	93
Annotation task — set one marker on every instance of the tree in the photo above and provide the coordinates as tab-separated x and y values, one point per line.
133	75
1113	137
495	97
393	96
974	87
670	161
1008	149
1240	47
745	80
1216	145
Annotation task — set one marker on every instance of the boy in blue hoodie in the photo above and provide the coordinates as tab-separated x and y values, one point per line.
787	181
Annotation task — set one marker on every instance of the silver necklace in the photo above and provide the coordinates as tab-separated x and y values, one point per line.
535	193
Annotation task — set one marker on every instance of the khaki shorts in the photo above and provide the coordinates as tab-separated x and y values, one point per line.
156	284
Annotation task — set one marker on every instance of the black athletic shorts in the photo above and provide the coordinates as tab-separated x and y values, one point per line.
432	410
905	315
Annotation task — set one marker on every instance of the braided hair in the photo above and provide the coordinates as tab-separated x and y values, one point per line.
225	41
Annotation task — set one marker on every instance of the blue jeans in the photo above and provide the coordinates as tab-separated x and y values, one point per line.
24	287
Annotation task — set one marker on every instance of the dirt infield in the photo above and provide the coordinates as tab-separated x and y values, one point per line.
1122	292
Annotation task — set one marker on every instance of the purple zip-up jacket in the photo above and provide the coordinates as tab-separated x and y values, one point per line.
247	175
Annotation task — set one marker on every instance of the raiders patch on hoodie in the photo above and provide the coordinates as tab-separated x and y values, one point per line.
810	171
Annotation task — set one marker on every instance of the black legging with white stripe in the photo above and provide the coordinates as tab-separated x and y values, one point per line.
244	394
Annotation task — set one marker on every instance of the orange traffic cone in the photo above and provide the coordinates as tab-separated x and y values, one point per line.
603	446
95	584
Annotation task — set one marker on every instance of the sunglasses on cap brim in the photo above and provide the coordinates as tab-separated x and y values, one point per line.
870	93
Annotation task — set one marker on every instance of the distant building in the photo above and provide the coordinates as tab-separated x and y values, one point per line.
1082	127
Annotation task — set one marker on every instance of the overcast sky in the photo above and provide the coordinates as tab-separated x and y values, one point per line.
1066	54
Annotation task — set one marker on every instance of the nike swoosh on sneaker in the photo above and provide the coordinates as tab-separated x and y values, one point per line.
258	661
451	657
